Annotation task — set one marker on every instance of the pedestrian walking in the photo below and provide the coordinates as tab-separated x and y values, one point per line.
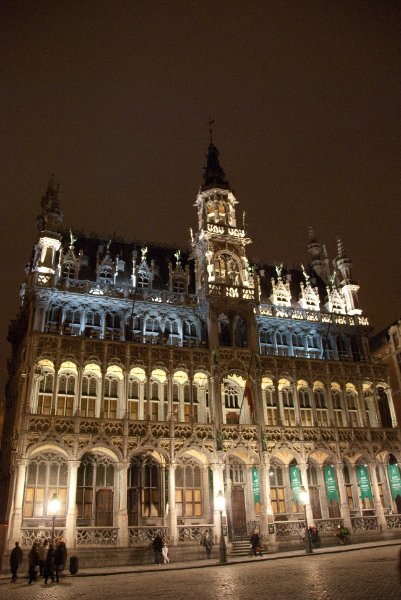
60	558
33	563
15	561
208	543
256	543
166	559
157	548
49	564
42	551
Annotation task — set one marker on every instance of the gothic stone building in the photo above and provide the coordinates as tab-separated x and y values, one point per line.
144	381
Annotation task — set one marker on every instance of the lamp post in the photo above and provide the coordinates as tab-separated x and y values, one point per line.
220	505
54	505
304	498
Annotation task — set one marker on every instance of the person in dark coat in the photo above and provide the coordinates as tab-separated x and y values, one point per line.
158	548
49	564
33	563
42	551
256	543
15	561
208	543
60	558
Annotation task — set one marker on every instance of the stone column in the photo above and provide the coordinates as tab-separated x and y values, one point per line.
376	498
296	404
172	513
218	485
122	519
16	513
266	509
70	519
280	408
344	508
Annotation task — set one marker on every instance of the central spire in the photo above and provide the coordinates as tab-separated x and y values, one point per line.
213	174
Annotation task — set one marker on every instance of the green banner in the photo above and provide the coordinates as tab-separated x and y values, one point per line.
362	474
331	484
296	484
395	480
256	490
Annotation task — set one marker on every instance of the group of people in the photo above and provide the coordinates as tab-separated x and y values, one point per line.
46	559
160	548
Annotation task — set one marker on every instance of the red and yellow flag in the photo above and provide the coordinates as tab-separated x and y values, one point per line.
248	394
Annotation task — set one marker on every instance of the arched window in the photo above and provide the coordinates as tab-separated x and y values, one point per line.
277	489
90	391
144	490
352	404
47	474
305	407
188	490
66	394
95	491
322	412
339	415
112	392
288	406
348	487
45	391
231	396
270	402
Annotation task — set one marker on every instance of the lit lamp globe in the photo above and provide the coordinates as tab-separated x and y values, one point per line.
54	505
220	503
303	496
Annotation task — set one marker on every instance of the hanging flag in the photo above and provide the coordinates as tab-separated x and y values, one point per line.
248	395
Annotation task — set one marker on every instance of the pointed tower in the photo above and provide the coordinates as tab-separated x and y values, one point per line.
319	265
224	280
44	263
349	288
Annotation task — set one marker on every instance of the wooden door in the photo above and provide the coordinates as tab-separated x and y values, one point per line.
104	508
238	513
315	502
334	510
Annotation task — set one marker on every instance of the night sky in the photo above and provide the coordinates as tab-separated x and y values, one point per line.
114	99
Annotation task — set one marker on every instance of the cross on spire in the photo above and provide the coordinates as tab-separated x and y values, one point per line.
210	123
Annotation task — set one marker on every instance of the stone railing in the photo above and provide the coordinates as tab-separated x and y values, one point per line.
143	536
97	536
31	535
364	524
393	521
193	533
295	529
289	529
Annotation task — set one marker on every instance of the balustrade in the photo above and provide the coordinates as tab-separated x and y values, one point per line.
370	523
97	536
393	521
31	535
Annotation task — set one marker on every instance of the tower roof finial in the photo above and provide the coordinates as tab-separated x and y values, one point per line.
213	174
210	123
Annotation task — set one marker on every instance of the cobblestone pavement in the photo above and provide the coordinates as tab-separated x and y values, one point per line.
369	574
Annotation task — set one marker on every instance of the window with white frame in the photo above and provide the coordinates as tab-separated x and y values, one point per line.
339	415
45	392
305	407
271	410
277	491
188	490
322	413
46	475
66	394
288	407
352	404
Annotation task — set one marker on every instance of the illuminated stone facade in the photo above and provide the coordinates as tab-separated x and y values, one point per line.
127	394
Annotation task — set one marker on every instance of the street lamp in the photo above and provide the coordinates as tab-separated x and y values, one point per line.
54	505
220	505
304	498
